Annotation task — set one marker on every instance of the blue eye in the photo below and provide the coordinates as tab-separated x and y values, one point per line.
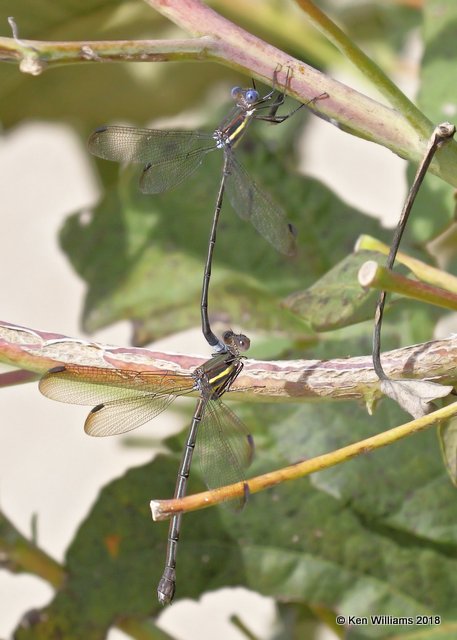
235	92
251	96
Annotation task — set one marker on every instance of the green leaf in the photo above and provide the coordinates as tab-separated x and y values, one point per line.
337	299
84	93
403	486
377	534
437	98
90	94
133	242
447	434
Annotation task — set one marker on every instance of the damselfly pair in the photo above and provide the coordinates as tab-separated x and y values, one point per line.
169	157
126	399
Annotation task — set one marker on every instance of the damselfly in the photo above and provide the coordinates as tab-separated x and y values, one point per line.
169	157
127	399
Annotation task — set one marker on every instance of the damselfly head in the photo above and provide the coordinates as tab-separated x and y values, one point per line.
245	97
236	341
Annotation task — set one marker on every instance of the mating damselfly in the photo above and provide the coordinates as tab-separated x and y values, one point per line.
127	399
169	157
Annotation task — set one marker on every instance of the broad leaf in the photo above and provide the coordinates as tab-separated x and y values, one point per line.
376	534
133	242
337	299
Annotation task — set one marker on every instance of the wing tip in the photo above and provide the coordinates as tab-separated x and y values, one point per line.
59	369
89	427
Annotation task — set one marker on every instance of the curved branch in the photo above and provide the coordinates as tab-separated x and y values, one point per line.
20	555
278	380
34	56
404	132
222	41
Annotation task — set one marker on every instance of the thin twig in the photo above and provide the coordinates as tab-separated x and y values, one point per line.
20	555
366	66
373	276
221	41
163	509
443	133
423	271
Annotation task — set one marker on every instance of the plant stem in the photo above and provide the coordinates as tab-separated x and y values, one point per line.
422	270
403	131
374	276
20	555
277	381
367	67
351	111
163	509
142	629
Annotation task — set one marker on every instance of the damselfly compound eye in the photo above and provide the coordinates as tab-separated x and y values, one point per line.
236	341
251	96
243	342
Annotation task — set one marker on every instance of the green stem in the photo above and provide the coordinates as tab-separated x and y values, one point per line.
42	54
404	129
20	555
163	509
142	629
367	67
422	270
373	276
242	627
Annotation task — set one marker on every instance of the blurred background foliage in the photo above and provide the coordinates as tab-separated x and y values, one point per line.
376	535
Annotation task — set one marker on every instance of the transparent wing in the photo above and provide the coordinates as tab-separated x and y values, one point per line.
169	156
162	175
76	384
119	416
225	448
125	399
252	204
129	144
